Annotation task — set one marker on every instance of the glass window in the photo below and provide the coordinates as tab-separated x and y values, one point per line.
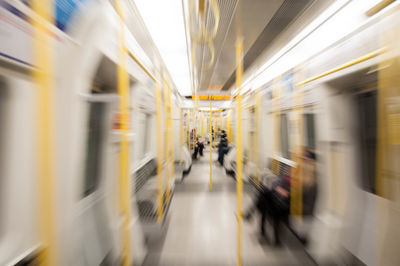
146	133
284	136
309	128
94	144
367	104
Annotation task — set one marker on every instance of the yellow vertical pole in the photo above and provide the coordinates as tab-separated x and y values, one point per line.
43	77
211	143
202	126
166	139
388	117
194	128
194	120
188	122
257	135
180	135
159	154
277	116
125	187
171	134
388	143
229	133
296	188
239	184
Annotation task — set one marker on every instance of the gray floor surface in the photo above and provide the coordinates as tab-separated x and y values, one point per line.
202	226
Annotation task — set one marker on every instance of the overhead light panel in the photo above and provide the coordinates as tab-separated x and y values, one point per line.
165	22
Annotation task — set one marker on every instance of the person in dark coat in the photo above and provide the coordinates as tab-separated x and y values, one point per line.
222	147
196	149
201	147
274	203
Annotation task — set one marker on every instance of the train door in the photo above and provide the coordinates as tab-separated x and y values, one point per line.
18	215
98	197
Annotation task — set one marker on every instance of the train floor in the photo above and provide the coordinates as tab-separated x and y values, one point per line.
202	227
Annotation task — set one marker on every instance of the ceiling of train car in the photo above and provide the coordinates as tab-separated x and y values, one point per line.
262	21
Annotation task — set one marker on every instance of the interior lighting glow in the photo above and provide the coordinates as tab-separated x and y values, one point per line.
339	19
165	22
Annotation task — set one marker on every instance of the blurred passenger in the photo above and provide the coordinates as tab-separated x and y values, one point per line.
273	203
196	149
223	134
309	182
222	150
200	144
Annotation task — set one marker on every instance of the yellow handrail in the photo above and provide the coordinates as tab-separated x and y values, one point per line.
202	126
43	77
142	66
212	97
188	122
239	172
296	189
166	139
180	135
194	131
125	187
378	7
171	134
346	65
211	148
229	128
159	154
257	135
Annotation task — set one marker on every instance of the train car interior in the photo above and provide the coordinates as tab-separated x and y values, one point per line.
199	132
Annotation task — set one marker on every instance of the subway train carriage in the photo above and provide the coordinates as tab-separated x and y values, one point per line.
199	132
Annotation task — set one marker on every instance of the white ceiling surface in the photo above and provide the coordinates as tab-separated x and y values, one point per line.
165	22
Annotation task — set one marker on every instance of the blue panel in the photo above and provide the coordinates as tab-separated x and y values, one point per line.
288	83
65	10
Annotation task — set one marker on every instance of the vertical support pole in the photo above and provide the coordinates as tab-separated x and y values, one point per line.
189	142
194	128
228	127
159	155
296	187
277	120
180	135
166	140
125	187
202	126
388	141
211	145
257	135
43	77
171	126
239	184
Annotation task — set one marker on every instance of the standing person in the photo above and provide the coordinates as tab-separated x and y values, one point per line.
200	144
223	134
196	149
309	182
222	147
274	203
